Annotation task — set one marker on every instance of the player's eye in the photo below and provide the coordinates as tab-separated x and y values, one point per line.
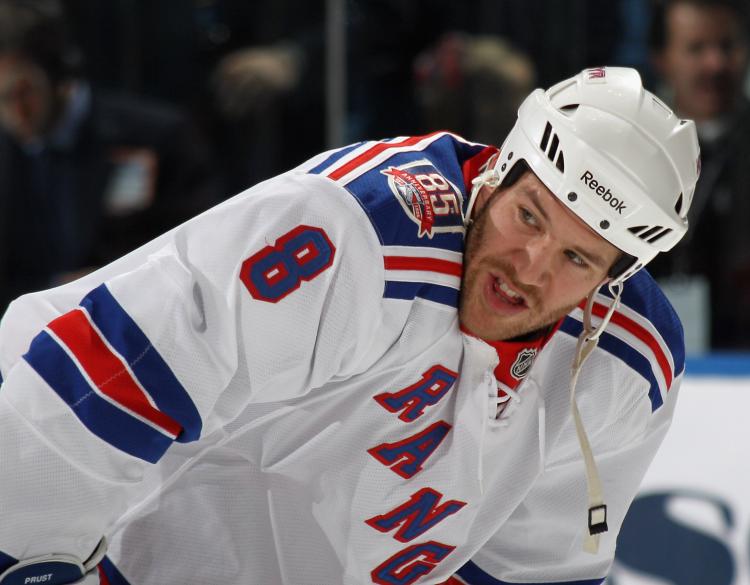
576	259
527	217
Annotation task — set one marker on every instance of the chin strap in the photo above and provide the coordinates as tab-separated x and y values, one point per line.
489	177
56	569
587	341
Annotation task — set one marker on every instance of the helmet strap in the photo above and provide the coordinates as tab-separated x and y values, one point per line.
489	178
587	341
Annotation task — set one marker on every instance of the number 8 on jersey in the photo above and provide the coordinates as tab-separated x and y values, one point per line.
276	271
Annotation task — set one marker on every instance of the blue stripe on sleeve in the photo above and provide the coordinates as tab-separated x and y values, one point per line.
113	575
624	352
333	158
473	575
144	360
433	292
106	421
6	561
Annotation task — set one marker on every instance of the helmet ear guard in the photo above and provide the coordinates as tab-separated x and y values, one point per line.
622	265
516	172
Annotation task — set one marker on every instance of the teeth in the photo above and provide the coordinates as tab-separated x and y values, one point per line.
507	290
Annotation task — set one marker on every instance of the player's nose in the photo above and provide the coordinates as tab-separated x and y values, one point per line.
533	265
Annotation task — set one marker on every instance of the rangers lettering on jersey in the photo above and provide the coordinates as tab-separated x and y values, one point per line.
407	457
423	510
416	516
405	567
435	383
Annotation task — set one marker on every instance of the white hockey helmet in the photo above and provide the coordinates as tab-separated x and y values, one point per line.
614	154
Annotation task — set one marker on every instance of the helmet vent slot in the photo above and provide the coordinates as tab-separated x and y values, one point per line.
569	110
553	147
660	235
678	205
650	233
560	164
550	147
662	106
545	137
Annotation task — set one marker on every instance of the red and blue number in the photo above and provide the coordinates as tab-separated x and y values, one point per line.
298	256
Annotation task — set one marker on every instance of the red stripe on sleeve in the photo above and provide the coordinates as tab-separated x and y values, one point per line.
429	264
106	369
452	581
641	333
372	153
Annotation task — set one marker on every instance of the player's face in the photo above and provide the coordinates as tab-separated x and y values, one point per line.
528	261
704	59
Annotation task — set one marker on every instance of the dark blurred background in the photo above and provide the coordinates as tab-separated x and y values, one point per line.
170	49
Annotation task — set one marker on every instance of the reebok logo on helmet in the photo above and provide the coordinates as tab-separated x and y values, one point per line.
603	192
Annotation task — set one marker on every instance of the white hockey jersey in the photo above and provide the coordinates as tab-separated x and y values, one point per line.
278	392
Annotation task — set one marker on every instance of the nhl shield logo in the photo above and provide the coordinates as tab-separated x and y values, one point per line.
428	198
523	362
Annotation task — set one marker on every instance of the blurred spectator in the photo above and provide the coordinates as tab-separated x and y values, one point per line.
84	175
386	36
472	85
268	108
700	49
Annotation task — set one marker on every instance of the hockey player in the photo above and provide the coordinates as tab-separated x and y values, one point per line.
319	382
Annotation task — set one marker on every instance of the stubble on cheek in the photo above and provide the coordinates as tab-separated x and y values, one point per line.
468	280
479	319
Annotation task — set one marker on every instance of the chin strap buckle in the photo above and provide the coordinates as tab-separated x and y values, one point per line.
598	519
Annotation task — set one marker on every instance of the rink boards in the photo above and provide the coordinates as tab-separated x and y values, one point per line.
690	523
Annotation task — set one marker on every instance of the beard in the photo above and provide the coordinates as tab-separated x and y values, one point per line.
472	311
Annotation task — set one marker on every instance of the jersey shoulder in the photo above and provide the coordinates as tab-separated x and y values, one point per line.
645	333
414	191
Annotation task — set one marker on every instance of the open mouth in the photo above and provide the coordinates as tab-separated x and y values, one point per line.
506	293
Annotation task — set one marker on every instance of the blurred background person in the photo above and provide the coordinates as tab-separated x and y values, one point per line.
250	74
386	37
472	85
266	110
85	175
700	50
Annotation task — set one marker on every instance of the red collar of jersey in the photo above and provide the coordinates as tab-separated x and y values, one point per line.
516	357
